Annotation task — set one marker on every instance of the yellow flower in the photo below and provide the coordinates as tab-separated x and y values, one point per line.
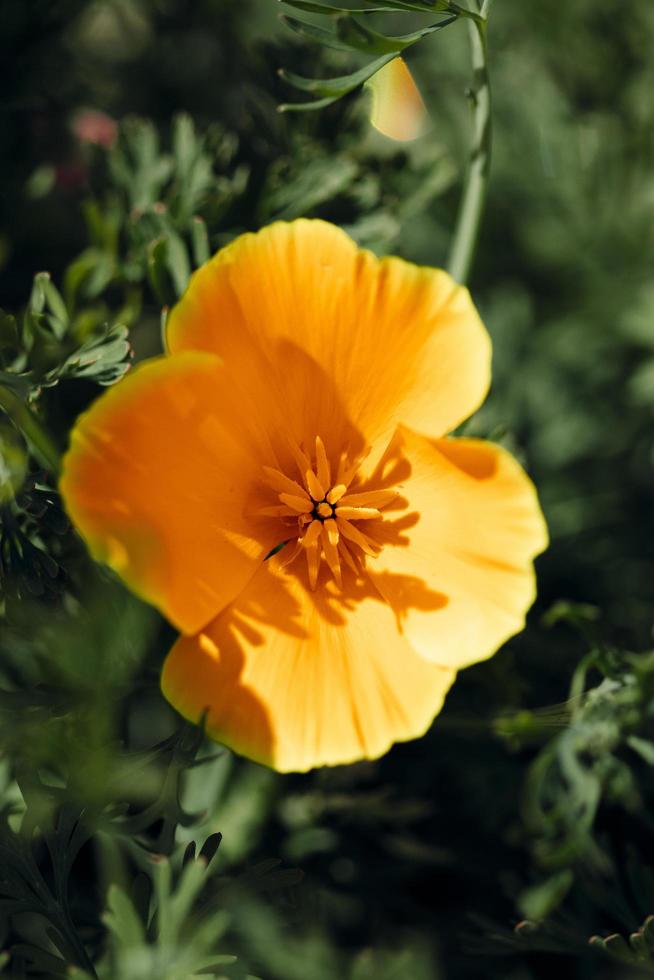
303	407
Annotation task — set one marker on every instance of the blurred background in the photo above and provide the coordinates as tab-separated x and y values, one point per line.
136	137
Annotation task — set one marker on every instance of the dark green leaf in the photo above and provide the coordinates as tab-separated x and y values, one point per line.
335	88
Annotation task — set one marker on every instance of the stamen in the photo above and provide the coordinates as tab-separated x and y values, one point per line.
273	512
301	505
301	459
369	498
330	552
313	562
321	519
358	513
352	533
312	534
292	555
323	468
314	485
330	528
278	481
348	558
336	493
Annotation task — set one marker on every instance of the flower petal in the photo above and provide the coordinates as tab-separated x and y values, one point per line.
157	480
471	531
397	109
296	679
340	334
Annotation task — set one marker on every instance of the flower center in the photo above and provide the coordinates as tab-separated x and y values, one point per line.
329	517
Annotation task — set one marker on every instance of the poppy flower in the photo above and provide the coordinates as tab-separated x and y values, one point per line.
281	486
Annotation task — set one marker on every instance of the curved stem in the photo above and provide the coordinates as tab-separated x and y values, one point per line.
24	419
474	192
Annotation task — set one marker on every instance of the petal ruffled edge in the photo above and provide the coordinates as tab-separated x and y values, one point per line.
472	530
383	341
296	679
156	481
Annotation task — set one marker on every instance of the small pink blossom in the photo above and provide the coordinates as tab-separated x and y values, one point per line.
93	126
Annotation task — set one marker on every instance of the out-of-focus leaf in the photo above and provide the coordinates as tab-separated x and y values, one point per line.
360	37
104	358
379	6
13	462
333	88
540	900
200	239
321	180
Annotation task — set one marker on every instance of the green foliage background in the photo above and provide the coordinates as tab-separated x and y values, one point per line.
520	827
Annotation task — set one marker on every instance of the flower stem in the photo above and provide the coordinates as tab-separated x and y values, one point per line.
474	191
24	419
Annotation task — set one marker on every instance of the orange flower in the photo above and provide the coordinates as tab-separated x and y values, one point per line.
302	408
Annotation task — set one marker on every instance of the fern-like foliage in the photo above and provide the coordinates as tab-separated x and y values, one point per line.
349	29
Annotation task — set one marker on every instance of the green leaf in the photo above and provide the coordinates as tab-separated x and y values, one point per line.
185	144
178	262
122	918
158	273
58	320
542	899
9	336
361	38
13	463
318	181
335	88
643	747
36	302
41	181
103	358
351	35
381	6
311	32
200	240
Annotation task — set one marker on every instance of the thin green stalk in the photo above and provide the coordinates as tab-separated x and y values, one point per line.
24	419
474	192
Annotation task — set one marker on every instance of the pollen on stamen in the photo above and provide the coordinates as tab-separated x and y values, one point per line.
324	514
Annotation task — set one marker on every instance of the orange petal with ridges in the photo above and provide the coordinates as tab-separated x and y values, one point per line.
296	679
158	478
470	533
351	344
